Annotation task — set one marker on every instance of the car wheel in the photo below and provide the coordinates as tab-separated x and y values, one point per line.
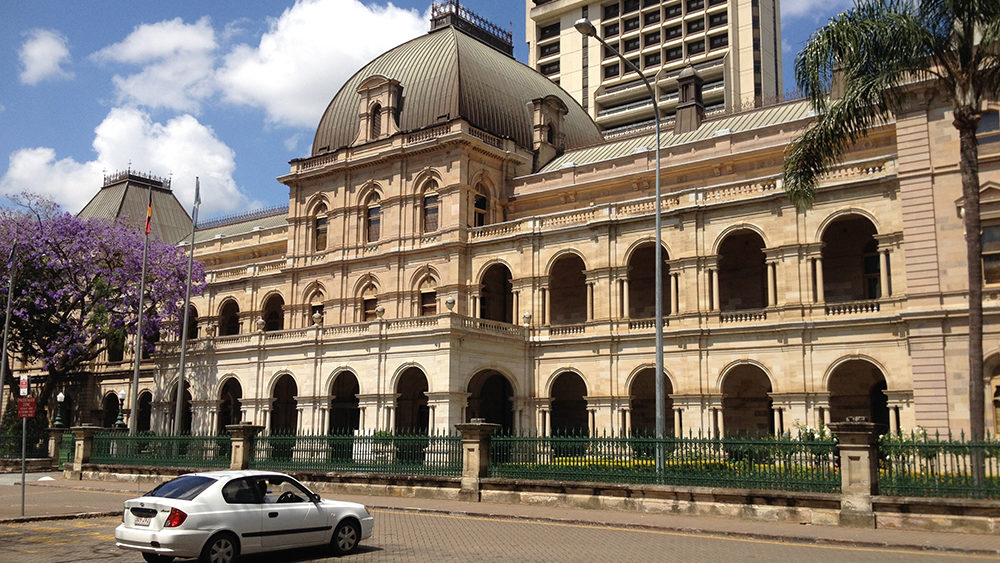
157	558
346	536
220	548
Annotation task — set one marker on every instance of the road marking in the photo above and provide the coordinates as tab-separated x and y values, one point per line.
695	536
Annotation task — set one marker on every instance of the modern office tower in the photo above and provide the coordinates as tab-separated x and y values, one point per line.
735	45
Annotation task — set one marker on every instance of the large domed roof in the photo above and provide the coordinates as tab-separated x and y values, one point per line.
447	74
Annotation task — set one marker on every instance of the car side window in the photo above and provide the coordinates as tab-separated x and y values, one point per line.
240	491
278	490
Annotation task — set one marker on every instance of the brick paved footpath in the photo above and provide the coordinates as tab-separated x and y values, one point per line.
57	497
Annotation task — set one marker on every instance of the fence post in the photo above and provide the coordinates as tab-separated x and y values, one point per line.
857	442
84	438
242	444
475	455
55	443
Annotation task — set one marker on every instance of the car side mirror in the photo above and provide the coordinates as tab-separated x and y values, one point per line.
314	497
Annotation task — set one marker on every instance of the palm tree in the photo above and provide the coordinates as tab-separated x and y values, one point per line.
870	53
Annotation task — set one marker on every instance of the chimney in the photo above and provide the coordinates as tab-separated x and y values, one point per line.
690	107
548	140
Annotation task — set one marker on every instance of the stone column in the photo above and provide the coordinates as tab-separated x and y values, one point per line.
625	298
771	293
546	312
675	294
857	444
715	301
883	272
242	444
820	295
84	436
678	431
475	455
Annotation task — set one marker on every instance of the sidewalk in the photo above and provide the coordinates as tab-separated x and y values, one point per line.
84	498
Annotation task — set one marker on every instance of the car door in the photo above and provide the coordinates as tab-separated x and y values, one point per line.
290	517
243	512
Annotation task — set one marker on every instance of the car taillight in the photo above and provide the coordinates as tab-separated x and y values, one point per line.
175	518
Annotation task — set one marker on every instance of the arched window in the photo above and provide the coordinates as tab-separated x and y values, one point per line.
229	318
369	302
430	207
376	121
273	314
480	206
192	324
316	306
116	347
319	229
373	219
428	297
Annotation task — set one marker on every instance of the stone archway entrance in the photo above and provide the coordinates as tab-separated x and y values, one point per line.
569	406
857	389
746	403
345	414
412	412
229	404
284	412
642	399
491	397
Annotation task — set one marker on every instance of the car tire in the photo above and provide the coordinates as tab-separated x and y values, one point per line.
220	548
157	558
346	537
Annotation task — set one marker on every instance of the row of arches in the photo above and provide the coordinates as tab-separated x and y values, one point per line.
850	269
745	404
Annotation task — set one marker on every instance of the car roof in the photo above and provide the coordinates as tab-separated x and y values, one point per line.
233	474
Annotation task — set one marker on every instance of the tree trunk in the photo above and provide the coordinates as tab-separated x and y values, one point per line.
966	121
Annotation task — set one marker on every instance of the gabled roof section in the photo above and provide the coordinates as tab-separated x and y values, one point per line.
126	194
447	75
745	121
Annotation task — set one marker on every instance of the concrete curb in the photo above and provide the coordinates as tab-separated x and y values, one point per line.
78	516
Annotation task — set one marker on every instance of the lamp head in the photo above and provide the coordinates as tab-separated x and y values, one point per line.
121	395
584	26
60	397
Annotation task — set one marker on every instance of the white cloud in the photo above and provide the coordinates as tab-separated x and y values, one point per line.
815	11
292	143
309	52
43	55
177	60
181	147
67	182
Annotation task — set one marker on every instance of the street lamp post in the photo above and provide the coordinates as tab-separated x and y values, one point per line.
120	422
584	26
58	422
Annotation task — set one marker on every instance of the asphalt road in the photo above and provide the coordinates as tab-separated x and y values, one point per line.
409	536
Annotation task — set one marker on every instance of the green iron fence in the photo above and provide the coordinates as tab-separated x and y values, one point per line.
415	454
804	463
921	465
67	449
36	445
164	451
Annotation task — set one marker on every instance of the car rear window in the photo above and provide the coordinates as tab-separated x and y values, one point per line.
185	487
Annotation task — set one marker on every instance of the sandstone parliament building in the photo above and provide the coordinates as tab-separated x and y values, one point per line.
464	241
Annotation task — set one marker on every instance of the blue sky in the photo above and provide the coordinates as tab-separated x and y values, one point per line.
227	90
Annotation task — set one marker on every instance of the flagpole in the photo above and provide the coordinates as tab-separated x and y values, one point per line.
133	419
179	409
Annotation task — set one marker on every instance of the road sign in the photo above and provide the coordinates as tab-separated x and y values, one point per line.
24	385
26	407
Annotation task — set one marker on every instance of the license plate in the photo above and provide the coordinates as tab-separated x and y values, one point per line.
142	520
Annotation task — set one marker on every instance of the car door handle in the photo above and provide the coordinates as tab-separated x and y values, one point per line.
272	514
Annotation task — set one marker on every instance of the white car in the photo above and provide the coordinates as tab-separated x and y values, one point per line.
218	515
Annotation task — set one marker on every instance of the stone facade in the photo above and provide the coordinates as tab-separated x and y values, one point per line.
432	276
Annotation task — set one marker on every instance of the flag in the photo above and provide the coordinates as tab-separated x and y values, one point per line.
197	201
149	213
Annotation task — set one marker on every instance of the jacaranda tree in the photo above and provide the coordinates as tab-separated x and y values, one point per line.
877	52
77	287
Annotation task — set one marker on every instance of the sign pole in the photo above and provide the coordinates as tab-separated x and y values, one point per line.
24	447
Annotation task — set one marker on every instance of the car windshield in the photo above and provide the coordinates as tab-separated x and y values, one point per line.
185	487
